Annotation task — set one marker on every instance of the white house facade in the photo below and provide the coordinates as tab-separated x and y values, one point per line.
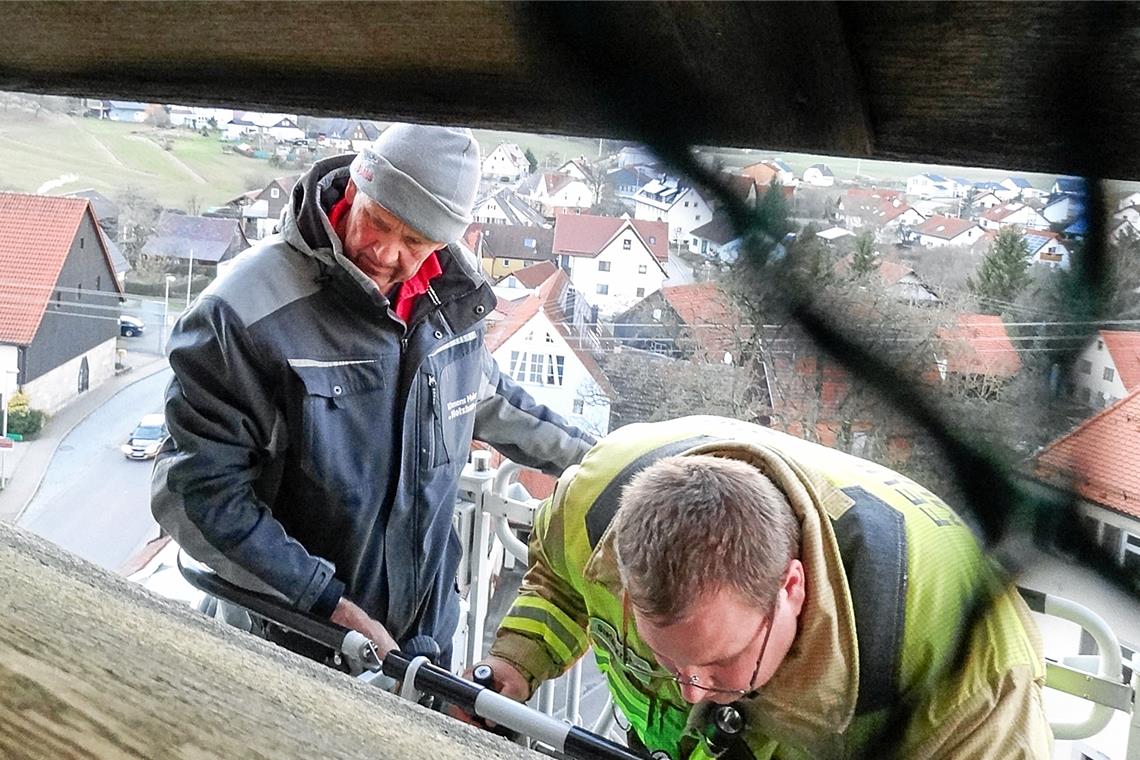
1013	213
1096	379
819	175
622	273
681	208
930	186
507	163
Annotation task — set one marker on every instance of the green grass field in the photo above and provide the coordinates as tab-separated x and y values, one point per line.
54	153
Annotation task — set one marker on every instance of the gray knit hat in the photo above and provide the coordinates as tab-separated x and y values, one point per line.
427	176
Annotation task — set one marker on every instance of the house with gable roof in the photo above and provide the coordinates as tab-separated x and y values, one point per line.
697	321
543	344
505	206
878	213
772	170
1063	208
554	193
59	300
898	280
525	280
261	209
927	185
1107	368
717	239
1013	213
675	203
615	262
939	231
506	163
1015	187
1099	461
976	354
819	175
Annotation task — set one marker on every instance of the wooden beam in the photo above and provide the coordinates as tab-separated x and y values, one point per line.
1049	88
93	666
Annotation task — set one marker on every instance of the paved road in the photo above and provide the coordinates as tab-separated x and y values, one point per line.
94	502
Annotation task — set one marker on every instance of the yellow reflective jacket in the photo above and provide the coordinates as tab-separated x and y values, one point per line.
891	572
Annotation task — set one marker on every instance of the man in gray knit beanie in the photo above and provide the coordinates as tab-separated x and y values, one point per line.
326	392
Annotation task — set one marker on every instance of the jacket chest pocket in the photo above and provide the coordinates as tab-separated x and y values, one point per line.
344	410
452	390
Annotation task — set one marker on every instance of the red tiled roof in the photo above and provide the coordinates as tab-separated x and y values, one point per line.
587	234
881	193
1100	458
535	274
997	213
978	344
555	181
1124	347
706	310
763	173
945	227
36	234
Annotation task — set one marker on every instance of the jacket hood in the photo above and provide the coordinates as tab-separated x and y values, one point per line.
812	696
306	227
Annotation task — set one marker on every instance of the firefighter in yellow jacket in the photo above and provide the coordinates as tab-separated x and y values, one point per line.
709	561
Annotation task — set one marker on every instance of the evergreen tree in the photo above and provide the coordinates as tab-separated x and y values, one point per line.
1004	272
864	259
532	160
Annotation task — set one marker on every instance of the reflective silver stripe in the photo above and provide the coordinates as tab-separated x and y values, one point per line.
319	363
466	338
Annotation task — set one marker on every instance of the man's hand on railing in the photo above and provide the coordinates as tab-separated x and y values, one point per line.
351	616
506	680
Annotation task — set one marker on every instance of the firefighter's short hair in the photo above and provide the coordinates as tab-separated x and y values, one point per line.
688	525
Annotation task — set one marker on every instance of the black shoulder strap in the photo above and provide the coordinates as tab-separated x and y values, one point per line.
872	545
604	508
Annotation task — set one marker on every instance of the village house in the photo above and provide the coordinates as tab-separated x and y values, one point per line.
201	241
261	209
522	281
345	134
1046	248
898	280
553	193
59	300
929	186
1107	368
613	262
1012	213
636	155
1064	208
1069	186
506	163
1099	461
505	206
697	322
126	110
819	175
542	344
877	213
939	231
987	200
767	172
975	355
504	248
717	239
679	206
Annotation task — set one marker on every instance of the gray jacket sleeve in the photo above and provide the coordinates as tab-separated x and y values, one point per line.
508	418
224	423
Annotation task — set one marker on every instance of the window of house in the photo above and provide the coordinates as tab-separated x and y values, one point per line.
642	268
81	241
517	368
1100	345
57	299
603	290
653	238
579	406
641	292
536	362
694	242
698	217
1085	395
603	266
656	315
274	192
530	243
555	367
686	204
506	262
1085	366
1109	373
1100	400
79	292
625	244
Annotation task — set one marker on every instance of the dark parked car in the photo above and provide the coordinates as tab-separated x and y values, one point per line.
129	327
